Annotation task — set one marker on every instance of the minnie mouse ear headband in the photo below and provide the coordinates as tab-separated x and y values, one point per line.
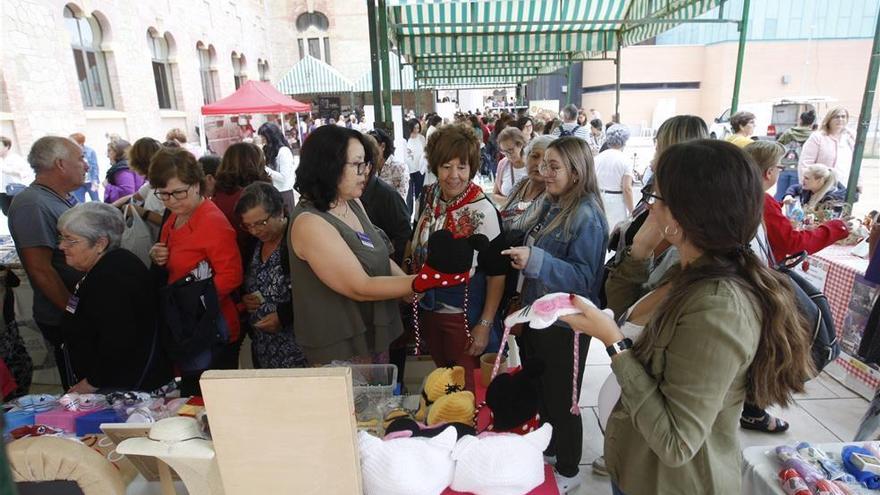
541	314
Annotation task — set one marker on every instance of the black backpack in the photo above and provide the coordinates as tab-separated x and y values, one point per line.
814	306
563	132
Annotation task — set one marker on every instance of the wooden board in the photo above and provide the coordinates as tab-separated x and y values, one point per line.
284	431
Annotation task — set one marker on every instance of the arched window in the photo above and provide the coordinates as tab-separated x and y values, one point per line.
312	33
207	72
162	75
91	65
263	69
239	64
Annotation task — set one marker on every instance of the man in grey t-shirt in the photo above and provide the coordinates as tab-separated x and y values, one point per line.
33	216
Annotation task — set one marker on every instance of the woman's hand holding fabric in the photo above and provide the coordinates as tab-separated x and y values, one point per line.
593	322
251	302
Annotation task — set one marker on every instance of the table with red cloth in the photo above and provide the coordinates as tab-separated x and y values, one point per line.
548	487
845	273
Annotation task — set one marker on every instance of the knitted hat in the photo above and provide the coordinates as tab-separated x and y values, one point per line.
502	464
457	407
408	427
438	383
513	397
407	466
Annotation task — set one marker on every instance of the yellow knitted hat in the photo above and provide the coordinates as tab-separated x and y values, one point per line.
457	407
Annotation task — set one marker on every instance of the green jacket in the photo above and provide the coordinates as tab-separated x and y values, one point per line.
674	429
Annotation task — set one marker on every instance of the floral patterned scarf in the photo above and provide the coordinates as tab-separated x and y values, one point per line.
457	215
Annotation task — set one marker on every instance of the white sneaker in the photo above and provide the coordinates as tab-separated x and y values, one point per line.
599	466
566	484
550	459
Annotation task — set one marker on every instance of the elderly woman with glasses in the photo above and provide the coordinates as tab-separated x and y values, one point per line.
110	334
197	239
512	168
267	278
347	287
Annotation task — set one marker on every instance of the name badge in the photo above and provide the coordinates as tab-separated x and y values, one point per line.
72	303
365	240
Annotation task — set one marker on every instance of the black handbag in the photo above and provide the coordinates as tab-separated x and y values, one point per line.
190	311
814	306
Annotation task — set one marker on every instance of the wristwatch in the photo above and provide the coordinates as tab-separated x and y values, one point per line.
619	346
487	323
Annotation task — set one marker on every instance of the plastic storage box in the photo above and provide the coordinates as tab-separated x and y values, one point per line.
372	385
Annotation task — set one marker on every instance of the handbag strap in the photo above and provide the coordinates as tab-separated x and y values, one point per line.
147	366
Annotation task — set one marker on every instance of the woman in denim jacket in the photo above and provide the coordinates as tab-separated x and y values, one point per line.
564	252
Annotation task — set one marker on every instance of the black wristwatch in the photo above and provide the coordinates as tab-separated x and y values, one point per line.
619	346
145	214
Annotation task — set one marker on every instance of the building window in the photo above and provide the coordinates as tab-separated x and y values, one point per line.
263	69
207	72
91	64
312	33
161	69
238	69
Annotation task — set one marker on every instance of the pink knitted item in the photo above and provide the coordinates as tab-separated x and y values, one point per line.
539	315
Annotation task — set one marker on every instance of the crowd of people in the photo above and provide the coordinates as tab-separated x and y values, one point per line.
706	337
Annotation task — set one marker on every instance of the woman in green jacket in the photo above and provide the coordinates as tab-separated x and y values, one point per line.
728	331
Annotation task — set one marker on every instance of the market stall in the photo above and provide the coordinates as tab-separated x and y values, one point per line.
840	275
253	97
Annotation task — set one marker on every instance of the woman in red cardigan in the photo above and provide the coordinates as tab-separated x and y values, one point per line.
783	238
196	232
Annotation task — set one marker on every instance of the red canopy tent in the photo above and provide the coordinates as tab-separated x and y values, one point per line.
255	97
252	97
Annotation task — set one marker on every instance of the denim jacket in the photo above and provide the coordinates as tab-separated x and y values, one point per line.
563	261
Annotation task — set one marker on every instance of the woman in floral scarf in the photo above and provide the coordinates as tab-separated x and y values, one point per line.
456	321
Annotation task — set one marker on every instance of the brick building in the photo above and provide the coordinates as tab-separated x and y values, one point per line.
140	68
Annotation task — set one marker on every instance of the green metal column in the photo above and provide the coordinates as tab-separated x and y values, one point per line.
864	116
740	54
374	63
570	84
617	81
386	69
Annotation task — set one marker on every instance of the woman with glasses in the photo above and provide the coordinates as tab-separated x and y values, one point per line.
564	251
197	238
242	165
346	287
267	279
728	332
111	338
831	145
527	192
512	168
456	321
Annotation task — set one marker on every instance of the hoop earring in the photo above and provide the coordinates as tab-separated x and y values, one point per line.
666	232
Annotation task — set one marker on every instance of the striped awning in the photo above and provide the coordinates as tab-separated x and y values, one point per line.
517	40
365	82
311	76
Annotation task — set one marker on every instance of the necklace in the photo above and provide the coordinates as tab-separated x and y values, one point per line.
344	213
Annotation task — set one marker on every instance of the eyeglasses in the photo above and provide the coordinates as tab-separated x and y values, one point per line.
360	166
177	194
67	240
549	170
651	198
509	152
261	224
841	116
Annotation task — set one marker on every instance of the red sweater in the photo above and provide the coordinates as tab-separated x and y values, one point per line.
785	240
207	236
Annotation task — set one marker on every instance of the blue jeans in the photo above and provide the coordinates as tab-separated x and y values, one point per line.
615	490
787	178
80	194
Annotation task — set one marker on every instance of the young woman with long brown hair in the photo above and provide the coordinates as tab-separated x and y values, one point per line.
725	329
